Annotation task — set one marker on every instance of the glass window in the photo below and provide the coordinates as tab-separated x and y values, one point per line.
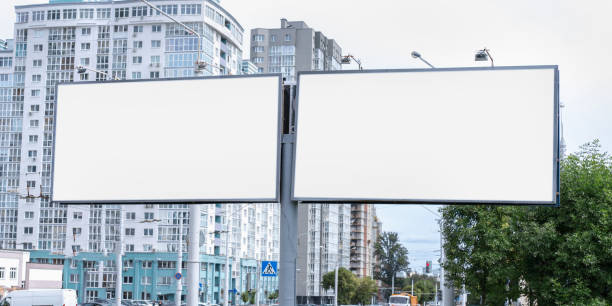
258	37
70	13
22	17
38	15
156	44
287	37
156	28
85	31
87	13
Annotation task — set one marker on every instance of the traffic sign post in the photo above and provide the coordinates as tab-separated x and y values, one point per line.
178	276
269	268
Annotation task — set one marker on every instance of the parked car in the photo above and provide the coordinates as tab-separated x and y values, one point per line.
51	297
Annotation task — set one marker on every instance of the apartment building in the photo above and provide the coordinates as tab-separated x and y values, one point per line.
123	40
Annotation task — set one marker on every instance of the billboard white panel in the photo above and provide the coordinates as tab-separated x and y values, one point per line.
468	135
189	140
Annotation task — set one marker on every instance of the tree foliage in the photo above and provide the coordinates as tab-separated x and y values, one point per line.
424	287
351	289
393	256
551	255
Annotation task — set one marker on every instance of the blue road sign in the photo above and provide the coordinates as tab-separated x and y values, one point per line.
269	268
178	275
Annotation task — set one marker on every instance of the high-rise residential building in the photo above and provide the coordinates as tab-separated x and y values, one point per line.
293	47
364	233
124	40
247	67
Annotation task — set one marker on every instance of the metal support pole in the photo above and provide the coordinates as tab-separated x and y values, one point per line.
288	228
179	260
412	286
448	295
436	294
393	284
258	273
119	261
336	286
193	263
227	262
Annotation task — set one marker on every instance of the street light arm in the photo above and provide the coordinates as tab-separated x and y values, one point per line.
426	62
97	71
489	54
189	29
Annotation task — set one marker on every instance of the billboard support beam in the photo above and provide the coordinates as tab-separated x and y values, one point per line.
193	263
288	207
288	228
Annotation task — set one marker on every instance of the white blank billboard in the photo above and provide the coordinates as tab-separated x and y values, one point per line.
431	136
200	140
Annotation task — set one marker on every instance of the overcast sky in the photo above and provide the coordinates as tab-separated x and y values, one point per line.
576	35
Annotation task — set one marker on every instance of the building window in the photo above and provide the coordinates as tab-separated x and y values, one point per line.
28	230
120	28
128	279
130	231
136	75
258	37
130	215
145	295
258	60
36	78
260	70
31	169
147	264
86	13
38	48
84	76
155	43
149	216
191	9
156	28
85	31
35	92
33	123
258	49
147	247
38	15
31	184
127	295
91	295
103	13
122	12
22	17
76	231
145	280
154	75
1	272
170	9
53	14
137	44
85	46
287	37
33	138
74	278
272	38
139	11
164	280
37	63
13	273
85	61
155	59
129	248
77	215
138	29
29	215
70	13
136	59
148	232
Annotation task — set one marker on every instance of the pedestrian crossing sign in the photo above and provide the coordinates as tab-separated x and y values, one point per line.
269	268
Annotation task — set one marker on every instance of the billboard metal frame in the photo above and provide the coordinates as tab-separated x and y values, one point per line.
556	141
279	132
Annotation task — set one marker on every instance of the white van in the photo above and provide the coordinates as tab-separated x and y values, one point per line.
40	297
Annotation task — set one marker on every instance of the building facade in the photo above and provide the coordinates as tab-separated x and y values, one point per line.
364	234
247	67
123	40
293	47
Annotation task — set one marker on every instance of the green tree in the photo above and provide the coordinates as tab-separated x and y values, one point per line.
393	256
364	289
553	255
346	284
252	295
244	297
568	250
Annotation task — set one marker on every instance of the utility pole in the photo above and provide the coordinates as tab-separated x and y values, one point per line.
227	261
119	261
336	286
179	260
193	263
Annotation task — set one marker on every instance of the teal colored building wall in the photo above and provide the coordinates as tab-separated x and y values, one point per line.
147	264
